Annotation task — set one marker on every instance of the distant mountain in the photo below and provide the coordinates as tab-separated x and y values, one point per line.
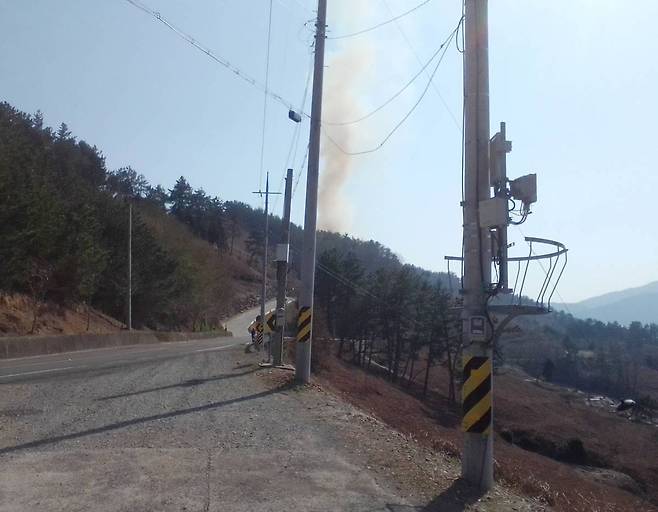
623	306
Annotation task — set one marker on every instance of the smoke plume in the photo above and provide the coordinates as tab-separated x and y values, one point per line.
340	103
345	73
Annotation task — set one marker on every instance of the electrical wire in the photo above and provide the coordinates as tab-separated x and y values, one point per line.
342	279
294	143
404	118
347	282
389	100
267	78
301	171
214	56
461	48
415	53
369	29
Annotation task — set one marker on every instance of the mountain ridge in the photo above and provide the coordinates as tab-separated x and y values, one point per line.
639	303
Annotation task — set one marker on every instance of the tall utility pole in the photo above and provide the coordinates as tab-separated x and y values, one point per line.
263	289
305	318
477	459
282	252
130	264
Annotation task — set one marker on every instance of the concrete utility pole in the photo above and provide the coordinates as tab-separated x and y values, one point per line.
305	318
263	289
477	459
130	264
282	252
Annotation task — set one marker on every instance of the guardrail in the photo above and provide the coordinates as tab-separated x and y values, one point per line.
25	346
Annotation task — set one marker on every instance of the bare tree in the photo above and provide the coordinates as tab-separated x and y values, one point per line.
38	282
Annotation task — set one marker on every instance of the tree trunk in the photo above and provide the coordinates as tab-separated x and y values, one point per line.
451	377
396	360
389	359
404	371
411	372
427	373
35	316
340	348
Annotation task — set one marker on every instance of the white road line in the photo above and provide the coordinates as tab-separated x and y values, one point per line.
40	371
216	348
111	362
82	355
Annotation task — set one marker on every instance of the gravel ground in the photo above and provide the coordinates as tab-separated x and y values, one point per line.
211	431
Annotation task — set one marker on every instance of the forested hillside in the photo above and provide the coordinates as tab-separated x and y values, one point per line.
64	235
195	258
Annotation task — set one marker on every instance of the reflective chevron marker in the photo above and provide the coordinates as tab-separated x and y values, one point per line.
476	395
304	325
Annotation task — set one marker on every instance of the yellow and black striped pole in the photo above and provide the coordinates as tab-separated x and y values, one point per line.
477	417
476	395
304	325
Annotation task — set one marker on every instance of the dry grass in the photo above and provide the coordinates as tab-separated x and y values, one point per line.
17	313
436	422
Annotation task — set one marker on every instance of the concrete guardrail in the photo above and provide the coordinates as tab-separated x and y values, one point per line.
24	346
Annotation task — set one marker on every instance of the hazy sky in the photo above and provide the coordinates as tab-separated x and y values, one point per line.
575	80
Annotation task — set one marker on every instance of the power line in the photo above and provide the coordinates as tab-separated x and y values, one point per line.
294	143
267	77
301	171
402	15
404	88
405	117
434	86
347	282
214	56
340	278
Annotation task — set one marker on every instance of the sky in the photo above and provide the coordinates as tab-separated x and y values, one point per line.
575	81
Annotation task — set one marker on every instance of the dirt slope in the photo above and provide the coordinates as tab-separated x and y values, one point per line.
626	486
17	317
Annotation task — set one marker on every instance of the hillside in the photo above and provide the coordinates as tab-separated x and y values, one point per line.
625	306
17	317
196	258
65	230
551	443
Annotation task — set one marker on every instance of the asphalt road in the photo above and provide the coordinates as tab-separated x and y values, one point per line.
200	426
30	368
175	426
35	367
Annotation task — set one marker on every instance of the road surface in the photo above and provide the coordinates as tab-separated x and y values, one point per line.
174	426
195	426
30	368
